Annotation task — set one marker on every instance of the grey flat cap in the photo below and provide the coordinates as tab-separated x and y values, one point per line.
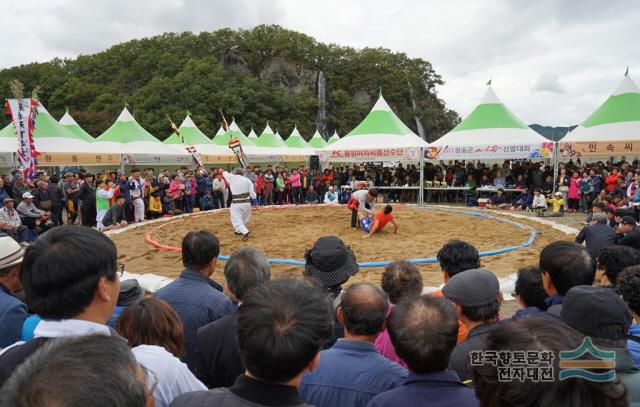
472	288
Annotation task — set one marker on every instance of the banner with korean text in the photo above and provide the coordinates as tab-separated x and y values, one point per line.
488	152
600	148
23	115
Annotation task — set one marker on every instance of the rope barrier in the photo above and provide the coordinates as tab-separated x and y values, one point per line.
428	260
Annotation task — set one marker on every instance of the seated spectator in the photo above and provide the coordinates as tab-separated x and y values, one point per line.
455	257
557	206
10	222
476	297
564	265
81	371
498	200
311	197
601	315
282	325
628	233
596	235
539	202
529	293
154	332
31	217
611	261
219	361
539	335
196	298
13	312
424	331
611	218
206	202
522	201
331	196
115	217
154	211
352	371
629	289
400	280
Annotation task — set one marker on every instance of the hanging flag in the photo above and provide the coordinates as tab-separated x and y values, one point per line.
191	149
23	115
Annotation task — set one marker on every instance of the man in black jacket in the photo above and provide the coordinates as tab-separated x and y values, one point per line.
219	361
87	197
282	325
597	235
115	218
628	233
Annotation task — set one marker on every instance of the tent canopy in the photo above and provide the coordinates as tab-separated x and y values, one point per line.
617	119
233	132
269	139
252	134
71	125
490	131
126	136
295	140
190	133
317	141
333	138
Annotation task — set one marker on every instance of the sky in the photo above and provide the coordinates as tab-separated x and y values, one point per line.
551	62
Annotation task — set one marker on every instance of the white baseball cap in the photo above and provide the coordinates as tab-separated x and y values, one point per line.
10	252
27	195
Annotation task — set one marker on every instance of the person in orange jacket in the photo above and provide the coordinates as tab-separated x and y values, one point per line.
612	180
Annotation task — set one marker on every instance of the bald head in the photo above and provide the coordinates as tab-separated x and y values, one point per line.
364	309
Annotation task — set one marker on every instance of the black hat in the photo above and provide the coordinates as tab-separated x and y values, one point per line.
330	261
622	212
472	288
595	311
130	293
628	220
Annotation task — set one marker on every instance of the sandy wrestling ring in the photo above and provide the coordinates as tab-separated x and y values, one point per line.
287	232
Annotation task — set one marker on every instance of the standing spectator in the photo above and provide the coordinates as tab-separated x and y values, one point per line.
629	289
136	192
538	335
83	371
400	280
424	331
41	196
87	196
612	180
574	192
71	192
455	257
279	189
57	200
294	319
196	298
10	222
13	312
219	187
597	235
352	371
260	185
296	186
564	265
529	293
601	315
219	360
562	186
476	297
190	192
611	261
268	187
154	332
586	190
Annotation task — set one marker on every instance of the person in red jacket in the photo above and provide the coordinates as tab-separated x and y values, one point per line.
260	187
612	180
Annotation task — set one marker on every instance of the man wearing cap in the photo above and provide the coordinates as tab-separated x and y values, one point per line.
628	233
13	312
602	316
10	222
596	235
242	194
31	216
476	298
362	204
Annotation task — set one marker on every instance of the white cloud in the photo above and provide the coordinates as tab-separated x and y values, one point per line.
580	48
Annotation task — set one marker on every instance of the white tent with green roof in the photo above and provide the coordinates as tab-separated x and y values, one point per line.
295	140
616	123
73	126
52	137
269	139
194	136
233	132
317	141
490	131
380	136
333	138
126	136
220	131
252	135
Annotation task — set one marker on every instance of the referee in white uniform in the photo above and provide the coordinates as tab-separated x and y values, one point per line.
242	192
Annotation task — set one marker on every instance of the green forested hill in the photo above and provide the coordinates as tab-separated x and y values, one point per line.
266	73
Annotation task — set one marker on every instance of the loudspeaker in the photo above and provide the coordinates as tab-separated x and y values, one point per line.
314	163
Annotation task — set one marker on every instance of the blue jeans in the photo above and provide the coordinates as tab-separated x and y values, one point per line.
189	203
585	198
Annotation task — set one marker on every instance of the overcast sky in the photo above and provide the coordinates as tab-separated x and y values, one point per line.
552	62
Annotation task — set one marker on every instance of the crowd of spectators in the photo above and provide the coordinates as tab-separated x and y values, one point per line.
322	340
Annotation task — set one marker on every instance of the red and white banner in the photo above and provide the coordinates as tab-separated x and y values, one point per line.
23	114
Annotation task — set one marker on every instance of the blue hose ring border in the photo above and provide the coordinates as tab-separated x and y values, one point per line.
429	260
